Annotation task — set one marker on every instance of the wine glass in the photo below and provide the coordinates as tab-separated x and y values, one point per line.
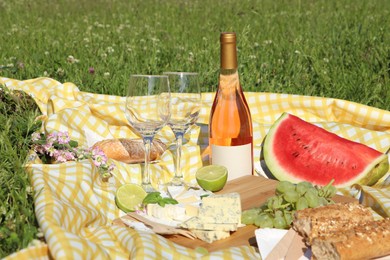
148	110
185	107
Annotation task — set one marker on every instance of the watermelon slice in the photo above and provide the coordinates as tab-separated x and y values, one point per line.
295	150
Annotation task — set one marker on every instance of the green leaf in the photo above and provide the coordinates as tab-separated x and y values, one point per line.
73	143
156	198
152	198
161	203
170	201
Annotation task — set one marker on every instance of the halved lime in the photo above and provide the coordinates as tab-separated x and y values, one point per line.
212	177
129	196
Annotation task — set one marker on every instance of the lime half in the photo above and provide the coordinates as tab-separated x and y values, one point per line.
212	177
129	196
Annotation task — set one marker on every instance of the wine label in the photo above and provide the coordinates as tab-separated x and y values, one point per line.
237	159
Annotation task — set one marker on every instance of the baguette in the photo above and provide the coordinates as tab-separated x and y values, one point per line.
365	241
130	150
313	222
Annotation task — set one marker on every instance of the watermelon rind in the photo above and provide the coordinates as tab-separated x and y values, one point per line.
373	170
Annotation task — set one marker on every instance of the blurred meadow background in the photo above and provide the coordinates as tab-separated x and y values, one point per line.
330	48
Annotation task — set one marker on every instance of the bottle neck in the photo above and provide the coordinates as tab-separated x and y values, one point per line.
229	81
227	72
228	75
228	56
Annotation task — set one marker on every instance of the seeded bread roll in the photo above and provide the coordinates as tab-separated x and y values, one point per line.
365	241
130	150
314	222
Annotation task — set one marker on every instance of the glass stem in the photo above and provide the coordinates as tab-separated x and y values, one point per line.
179	142
146	174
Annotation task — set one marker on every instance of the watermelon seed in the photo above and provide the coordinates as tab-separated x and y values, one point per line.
295	154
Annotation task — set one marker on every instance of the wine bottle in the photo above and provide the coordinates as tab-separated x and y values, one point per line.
230	126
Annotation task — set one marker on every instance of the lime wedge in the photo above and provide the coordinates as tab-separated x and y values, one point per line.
212	177
129	196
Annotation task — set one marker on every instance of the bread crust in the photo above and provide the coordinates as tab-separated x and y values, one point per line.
365	241
314	222
130	150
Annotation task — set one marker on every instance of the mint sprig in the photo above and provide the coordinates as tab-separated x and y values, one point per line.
156	198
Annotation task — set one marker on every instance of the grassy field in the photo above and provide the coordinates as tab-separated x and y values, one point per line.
330	48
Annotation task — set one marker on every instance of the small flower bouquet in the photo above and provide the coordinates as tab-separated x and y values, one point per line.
57	147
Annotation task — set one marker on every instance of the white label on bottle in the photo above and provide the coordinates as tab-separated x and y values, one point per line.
237	159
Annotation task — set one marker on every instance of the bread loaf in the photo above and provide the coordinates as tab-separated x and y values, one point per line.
130	150
365	241
313	222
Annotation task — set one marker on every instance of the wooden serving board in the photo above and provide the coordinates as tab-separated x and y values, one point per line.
254	191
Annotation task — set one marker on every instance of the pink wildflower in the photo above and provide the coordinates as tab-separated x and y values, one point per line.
39	149
52	137
59	156
49	148
63	137
91	70
36	136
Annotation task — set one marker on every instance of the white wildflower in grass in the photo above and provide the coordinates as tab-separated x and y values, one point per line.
103	55
106	74
57	147
60	72
191	56
252	56
154	39
297	52
110	49
72	59
326	60
267	42
256	44
47	53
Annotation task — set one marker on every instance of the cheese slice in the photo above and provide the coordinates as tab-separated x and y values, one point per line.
221	209
210	236
192	210
168	212
195	223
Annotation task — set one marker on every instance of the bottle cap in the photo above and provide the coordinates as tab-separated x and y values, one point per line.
228	37
228	50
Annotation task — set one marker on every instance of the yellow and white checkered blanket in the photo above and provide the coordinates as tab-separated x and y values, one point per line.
75	208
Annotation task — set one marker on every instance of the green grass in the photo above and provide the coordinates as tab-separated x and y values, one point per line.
330	48
325	48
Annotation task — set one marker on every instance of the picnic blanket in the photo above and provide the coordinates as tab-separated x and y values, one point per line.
75	207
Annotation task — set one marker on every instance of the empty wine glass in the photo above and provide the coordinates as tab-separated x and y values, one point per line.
185	107
148	110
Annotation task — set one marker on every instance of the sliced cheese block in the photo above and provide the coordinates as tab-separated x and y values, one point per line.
195	223
168	212
210	236
192	210
221	209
